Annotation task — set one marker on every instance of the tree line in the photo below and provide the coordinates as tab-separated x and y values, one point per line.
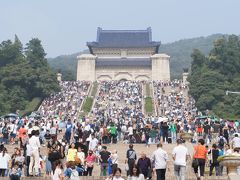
211	76
24	74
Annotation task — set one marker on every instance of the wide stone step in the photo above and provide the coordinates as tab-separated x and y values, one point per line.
168	177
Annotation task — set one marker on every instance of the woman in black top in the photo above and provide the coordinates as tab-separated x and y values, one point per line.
214	162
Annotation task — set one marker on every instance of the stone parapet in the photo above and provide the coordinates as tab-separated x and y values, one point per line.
86	67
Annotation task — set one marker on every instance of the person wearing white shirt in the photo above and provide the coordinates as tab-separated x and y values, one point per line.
53	131
81	155
34	159
114	157
87	127
93	142
4	162
160	158
236	142
180	154
228	150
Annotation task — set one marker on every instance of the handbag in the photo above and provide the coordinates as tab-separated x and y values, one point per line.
149	174
177	167
195	162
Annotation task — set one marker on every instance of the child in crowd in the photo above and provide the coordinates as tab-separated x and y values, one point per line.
73	171
15	172
57	173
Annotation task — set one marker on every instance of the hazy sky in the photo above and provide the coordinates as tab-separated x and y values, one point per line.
64	26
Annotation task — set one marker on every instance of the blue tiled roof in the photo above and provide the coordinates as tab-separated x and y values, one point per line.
123	39
103	62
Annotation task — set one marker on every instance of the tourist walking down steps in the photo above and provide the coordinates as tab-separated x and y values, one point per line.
160	158
180	156
117	118
200	153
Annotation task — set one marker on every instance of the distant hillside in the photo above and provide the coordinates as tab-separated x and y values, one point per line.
179	51
66	64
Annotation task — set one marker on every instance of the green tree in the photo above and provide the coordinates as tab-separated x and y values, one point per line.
211	76
35	53
24	75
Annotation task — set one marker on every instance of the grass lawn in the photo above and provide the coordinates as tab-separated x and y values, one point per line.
148	105
87	106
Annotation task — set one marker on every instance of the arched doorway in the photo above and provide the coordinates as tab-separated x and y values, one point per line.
123	76
104	78
123	79
142	78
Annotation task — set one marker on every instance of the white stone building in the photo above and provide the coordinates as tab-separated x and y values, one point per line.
123	55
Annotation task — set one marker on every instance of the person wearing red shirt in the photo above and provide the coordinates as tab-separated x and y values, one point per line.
22	134
200	154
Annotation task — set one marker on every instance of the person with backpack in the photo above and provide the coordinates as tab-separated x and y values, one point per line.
130	159
214	154
221	141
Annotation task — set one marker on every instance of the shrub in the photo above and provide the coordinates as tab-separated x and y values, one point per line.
87	106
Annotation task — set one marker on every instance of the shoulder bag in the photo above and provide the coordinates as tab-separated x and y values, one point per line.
195	162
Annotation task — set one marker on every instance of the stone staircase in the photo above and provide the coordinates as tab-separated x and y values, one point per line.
121	149
168	177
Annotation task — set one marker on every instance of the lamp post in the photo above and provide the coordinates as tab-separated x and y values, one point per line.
232	92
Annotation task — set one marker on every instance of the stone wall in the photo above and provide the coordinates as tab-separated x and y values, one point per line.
87	71
120	73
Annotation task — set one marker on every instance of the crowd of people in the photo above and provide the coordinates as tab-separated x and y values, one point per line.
118	107
67	102
57	143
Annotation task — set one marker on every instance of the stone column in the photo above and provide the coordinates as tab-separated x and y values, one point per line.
86	67
59	77
160	67
185	76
